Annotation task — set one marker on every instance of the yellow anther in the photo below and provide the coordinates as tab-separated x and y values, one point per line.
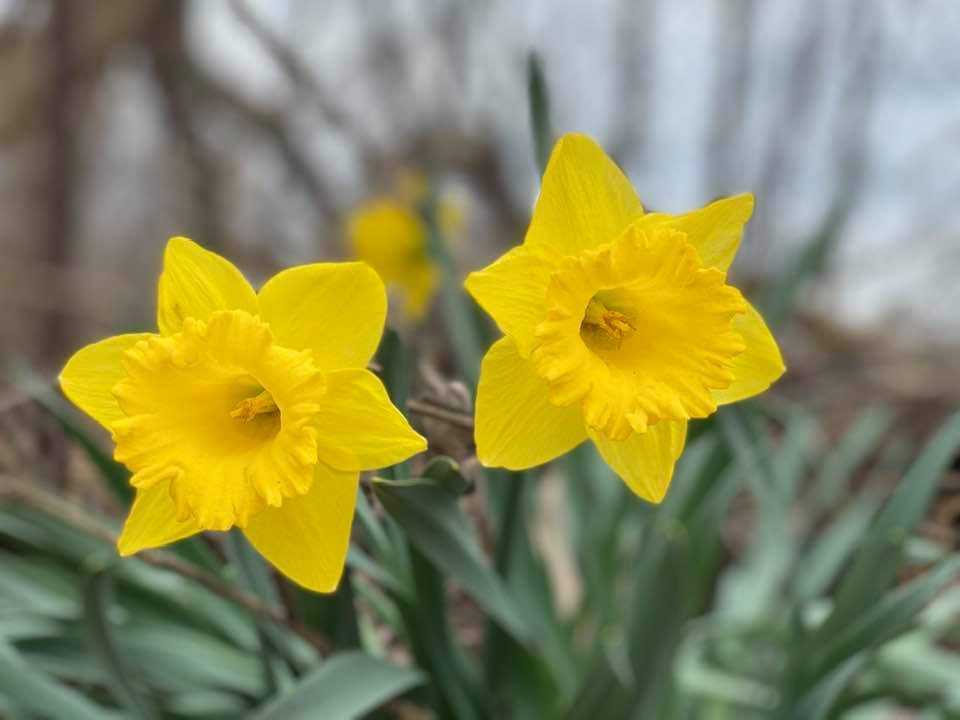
611	322
616	324
249	408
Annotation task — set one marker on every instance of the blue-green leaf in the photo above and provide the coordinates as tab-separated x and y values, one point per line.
347	685
29	689
436	525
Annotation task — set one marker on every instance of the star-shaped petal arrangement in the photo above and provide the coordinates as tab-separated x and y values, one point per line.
619	326
248	409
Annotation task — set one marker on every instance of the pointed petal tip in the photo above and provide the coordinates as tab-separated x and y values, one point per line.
495	463
322	587
307	539
420	444
782	371
574	138
414	445
473	283
645	461
654	496
657	497
182	239
318	582
470	280
488	459
179	242
483	456
330	584
573	142
368	269
359	427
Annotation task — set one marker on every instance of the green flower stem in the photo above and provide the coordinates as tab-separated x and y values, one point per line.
460	317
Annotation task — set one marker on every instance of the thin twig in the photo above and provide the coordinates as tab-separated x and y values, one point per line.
428	409
300	75
273	124
17	490
166	45
62	156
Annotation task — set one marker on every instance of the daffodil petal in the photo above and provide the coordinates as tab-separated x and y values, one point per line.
153	522
358	428
512	290
91	373
645	460
307	537
715	230
757	367
337	310
585	200
517	427
196	282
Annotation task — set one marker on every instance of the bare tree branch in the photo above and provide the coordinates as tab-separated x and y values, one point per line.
300	75
429	409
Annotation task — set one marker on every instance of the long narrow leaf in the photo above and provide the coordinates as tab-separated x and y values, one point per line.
878	560
96	601
891	616
29	689
256	577
435	524
346	686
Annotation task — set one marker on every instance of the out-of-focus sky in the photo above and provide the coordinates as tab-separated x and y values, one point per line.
902	249
695	98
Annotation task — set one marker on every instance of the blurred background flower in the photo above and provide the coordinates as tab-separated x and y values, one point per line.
392	234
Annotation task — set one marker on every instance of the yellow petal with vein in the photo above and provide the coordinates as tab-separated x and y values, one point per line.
358	428
757	367
196	282
337	310
513	290
152	521
715	230
585	200
645	460
91	373
517	427
307	538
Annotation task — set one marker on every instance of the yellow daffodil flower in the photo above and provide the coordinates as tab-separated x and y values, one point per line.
248	409
391	237
619	326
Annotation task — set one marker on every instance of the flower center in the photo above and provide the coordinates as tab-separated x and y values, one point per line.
222	414
603	327
638	331
249	408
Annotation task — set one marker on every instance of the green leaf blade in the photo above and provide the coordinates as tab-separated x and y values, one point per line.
347	685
